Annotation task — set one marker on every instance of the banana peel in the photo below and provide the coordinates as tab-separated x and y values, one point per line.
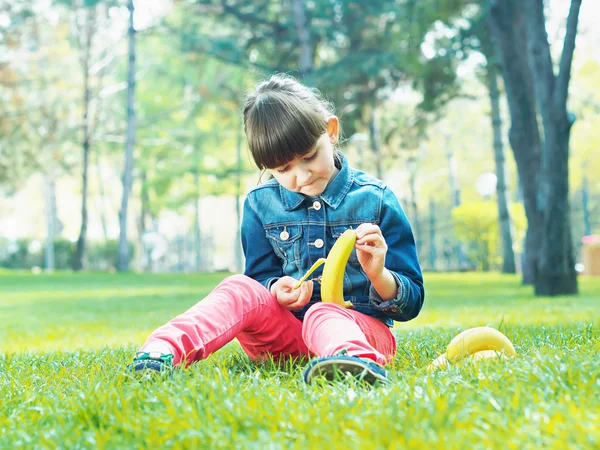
332	280
475	344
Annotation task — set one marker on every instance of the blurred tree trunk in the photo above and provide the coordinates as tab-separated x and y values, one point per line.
123	257
197	231
238	191
88	35
453	177
50	191
305	58
375	136
412	181
587	226
556	273
508	255
102	196
543	168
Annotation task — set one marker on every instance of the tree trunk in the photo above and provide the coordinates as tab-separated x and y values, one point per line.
544	172
238	191
508	255
123	258
509	28
556	273
50	218
375	136
305	58
587	226
452	177
144	259
102	196
459	250
412	180
90	30
197	233
432	247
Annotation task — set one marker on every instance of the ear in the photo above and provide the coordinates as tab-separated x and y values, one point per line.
333	128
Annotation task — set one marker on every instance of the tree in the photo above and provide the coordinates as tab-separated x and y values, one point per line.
533	87
123	258
491	72
89	18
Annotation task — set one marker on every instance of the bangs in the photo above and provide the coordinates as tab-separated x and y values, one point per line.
280	129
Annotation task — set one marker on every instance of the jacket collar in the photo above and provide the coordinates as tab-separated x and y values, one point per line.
333	194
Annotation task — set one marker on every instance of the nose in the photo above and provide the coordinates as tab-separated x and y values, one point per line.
303	175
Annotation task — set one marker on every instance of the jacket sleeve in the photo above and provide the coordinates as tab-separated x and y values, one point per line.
262	264
402	261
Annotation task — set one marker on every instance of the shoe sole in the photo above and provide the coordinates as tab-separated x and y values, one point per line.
337	370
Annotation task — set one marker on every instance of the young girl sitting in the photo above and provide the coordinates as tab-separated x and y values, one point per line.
289	222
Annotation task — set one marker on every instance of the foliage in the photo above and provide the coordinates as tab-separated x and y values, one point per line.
30	253
62	385
476	225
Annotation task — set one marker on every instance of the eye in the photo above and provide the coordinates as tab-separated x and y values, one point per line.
311	157
284	170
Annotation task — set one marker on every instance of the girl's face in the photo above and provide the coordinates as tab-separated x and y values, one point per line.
311	173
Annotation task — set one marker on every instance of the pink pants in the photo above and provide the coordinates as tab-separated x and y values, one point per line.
240	307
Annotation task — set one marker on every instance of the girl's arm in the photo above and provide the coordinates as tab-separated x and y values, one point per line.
262	264
402	262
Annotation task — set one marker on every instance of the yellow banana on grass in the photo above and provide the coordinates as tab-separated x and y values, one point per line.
332	280
477	343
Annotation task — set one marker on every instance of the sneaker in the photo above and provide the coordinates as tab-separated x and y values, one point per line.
337	367
151	363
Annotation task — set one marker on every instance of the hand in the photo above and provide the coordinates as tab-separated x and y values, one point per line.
371	249
290	298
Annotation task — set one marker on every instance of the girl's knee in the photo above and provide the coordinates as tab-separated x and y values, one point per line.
319	309
317	314
237	279
245	289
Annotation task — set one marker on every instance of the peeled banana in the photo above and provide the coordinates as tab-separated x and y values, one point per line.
477	339
332	280
476	343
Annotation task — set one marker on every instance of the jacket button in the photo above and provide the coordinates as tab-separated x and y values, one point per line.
284	235
317	205
319	243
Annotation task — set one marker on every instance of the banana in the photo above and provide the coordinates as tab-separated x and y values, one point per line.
477	339
332	281
438	363
314	267
485	354
441	362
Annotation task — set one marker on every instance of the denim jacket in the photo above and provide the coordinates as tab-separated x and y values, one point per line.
284	233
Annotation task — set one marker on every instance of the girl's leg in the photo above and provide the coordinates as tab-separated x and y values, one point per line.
238	307
329	328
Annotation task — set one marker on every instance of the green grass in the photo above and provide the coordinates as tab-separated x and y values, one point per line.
65	340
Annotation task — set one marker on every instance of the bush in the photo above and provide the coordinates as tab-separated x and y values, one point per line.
476	226
29	253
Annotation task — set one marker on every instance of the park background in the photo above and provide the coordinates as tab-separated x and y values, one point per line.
417	88
123	166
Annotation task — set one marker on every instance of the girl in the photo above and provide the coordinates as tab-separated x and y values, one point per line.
288	223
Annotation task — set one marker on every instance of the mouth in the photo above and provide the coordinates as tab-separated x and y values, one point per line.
309	185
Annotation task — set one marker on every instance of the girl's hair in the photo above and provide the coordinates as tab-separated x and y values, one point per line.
283	120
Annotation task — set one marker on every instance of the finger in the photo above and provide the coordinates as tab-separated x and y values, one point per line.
367	229
371	250
371	240
362	229
287	298
305	295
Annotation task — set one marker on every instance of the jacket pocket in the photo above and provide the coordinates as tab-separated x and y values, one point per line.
286	242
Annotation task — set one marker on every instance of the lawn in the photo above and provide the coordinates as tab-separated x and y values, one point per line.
65	340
